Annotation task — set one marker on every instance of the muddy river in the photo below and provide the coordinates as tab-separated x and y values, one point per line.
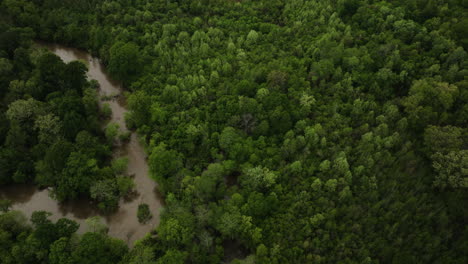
122	224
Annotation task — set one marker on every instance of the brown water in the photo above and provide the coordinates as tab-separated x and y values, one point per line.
122	224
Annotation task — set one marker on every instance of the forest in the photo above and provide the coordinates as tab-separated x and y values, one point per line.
298	131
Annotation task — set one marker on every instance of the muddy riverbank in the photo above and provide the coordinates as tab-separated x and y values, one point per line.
122	224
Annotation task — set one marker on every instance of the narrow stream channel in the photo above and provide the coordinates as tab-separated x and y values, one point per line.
122	224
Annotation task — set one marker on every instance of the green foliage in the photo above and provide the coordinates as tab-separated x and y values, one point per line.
206	184
57	243
106	111
144	213
55	160
98	248
60	252
48	127
139	103
173	256
24	111
106	192
278	131
96	225
125	185
252	37
119	165
5	205
164	163
258	178
125	136
443	139
451	169
111	131
428	102
124	60
79	173
174	233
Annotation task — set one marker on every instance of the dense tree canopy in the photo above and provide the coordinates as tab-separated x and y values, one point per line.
55	243
50	126
278	131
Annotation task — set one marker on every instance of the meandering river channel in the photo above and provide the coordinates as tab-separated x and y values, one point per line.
122	224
